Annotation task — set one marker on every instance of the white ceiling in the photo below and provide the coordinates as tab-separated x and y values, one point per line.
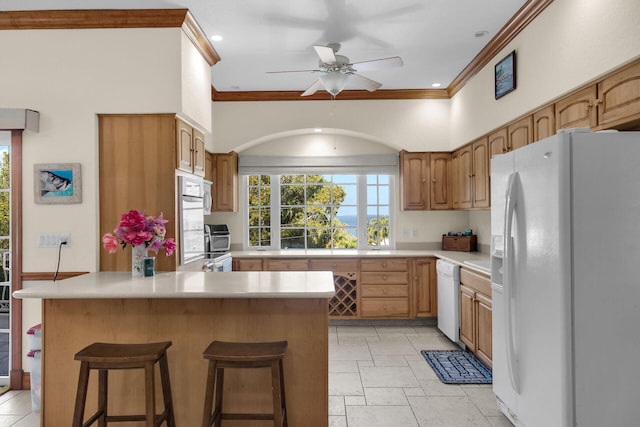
435	38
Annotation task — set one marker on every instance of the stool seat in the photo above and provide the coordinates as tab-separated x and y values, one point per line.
110	356
243	355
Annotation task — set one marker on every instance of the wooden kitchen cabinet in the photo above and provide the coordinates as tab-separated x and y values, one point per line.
247	264
225	182
544	123
520	133
344	304
476	314
190	149
286	264
455	179
425	287
134	184
577	110
384	288
619	99
208	166
414	180
498	142
465	177
440	185
473	175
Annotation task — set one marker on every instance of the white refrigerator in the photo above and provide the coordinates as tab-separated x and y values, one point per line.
565	272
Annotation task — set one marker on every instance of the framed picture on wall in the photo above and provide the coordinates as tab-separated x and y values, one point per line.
57	183
505	79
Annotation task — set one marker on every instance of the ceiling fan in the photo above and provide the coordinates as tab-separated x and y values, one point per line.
337	70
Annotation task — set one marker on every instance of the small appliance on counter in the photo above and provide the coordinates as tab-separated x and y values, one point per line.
217	242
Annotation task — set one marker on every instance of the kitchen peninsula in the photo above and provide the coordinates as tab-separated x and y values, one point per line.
191	309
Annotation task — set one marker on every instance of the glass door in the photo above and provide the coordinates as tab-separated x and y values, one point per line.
5	257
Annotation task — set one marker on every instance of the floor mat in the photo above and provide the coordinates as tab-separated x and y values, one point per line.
4	389
457	367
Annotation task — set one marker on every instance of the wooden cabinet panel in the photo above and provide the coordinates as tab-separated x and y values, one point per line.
414	175
484	329
498	142
456	173
465	177
467	316
544	123
440	171
190	149
225	182
199	153
383	290
384	264
208	166
481	189
520	133
577	110
391	277
425	287
334	264
247	264
619	98
286	264
384	307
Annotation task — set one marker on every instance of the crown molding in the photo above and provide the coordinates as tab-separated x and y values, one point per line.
345	95
111	18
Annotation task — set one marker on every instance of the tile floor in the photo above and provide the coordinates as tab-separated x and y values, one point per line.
377	378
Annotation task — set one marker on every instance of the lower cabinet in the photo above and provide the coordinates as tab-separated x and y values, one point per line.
344	303
384	285
475	314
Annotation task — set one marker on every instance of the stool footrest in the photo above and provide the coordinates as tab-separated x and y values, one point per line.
247	416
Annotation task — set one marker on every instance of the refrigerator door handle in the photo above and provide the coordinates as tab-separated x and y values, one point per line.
508	279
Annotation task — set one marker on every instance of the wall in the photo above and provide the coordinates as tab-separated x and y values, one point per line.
196	85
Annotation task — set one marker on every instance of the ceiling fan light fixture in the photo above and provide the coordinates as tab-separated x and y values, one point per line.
334	82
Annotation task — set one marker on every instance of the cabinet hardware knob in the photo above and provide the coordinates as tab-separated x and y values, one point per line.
433	180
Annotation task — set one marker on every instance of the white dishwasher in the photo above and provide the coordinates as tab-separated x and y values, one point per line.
449	299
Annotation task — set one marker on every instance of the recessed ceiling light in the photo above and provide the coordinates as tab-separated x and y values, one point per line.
216	38
317	130
436	85
481	33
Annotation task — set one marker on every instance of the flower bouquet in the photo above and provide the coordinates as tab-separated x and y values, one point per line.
143	233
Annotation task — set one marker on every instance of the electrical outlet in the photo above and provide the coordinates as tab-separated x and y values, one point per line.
405	233
52	240
414	233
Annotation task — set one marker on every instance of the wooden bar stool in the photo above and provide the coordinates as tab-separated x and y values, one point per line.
243	355
103	357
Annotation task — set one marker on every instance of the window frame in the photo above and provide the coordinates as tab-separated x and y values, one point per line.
275	205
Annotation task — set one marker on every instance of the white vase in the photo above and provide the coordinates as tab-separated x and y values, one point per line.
138	253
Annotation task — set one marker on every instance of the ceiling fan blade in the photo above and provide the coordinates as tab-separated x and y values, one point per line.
317	85
326	54
292	71
362	82
377	64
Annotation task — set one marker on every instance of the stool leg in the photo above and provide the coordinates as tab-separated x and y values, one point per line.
150	393
103	390
166	391
284	400
81	395
217	412
276	390
208	395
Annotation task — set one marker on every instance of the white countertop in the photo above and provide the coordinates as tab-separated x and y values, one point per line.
291	284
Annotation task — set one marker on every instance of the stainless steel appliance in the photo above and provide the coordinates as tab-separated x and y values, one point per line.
565	245
191	219
220	263
217	238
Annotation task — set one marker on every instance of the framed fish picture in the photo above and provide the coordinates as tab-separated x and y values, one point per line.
57	183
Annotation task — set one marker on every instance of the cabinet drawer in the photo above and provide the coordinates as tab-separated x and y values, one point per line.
384	307
385	264
476	281
247	264
345	265
286	264
387	278
384	290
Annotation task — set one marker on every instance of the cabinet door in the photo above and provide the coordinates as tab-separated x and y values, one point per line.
247	264
577	110
184	136
440	170
520	133
208	166
415	184
481	189
498	142
199	154
425	289
467	316
285	264
456	174
544	123
484	328
466	177
225	182
619	98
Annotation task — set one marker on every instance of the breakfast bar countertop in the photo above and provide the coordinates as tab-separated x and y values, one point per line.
292	284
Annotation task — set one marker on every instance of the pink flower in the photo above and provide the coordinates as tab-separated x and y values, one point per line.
133	220
169	246
159	230
155	245
110	243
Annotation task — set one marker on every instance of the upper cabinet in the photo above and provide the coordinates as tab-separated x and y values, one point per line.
619	99
425	180
440	173
473	175
225	182
190	149
520	133
498	142
577	110
544	122
208	166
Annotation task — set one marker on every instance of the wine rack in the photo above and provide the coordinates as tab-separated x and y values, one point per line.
344	302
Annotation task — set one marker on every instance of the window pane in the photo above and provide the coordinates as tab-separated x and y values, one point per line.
292	238
4	167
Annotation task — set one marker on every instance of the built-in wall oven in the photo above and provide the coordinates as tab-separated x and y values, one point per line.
191	205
